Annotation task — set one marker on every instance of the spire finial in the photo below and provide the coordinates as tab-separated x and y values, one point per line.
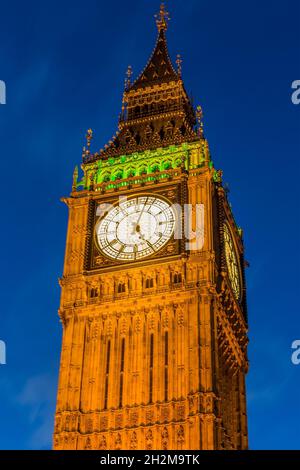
75	179
199	114
89	136
86	149
179	64
162	18
128	77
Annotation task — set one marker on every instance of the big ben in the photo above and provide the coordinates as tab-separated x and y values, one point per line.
153	293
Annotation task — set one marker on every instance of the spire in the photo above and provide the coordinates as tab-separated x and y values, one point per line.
156	109
159	68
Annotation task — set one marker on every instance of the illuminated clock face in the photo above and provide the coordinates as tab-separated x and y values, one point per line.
232	263
136	228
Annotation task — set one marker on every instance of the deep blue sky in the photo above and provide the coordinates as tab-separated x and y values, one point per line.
64	65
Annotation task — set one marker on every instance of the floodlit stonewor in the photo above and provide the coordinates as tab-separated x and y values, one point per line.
154	349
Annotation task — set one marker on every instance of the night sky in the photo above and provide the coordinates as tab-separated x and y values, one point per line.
64	66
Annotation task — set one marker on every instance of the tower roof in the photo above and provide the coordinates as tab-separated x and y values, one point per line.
159	68
156	110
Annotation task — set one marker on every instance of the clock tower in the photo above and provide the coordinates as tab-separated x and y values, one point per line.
153	295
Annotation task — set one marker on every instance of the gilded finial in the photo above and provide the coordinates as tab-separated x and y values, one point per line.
199	115
75	178
162	18
89	136
86	149
206	153
179	64
128	77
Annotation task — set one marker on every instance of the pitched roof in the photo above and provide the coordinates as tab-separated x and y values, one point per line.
159	68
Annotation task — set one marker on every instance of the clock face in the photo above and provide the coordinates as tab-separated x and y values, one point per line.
136	228
232	263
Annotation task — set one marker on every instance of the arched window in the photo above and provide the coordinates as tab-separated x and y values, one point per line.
121	288
94	293
119	175
166	378
154	168
143	170
107	375
177	279
106	178
149	283
151	368
122	372
130	173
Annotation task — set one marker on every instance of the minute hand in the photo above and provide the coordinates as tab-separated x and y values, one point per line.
141	213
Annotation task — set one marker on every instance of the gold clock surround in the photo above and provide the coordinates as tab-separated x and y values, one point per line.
142	242
172	192
232	262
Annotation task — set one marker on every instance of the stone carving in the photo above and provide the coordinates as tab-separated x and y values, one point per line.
123	327
134	418
89	425
95	330
180	412
103	423
165	321
109	329
133	441
74	422
119	421
180	434
165	438
118	441
208	403
165	413
180	318
88	444
102	443
78	229
192	404
58	424
56	442
149	440
149	416
67	423
138	325
151	322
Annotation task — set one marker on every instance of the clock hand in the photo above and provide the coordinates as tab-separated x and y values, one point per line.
146	241
141	213
133	228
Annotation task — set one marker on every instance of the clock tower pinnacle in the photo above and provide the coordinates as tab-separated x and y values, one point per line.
154	348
